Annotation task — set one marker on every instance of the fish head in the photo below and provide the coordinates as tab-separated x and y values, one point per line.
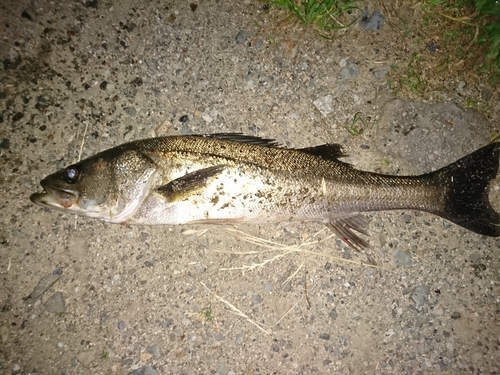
111	185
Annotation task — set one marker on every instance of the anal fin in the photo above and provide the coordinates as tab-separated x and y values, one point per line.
344	227
183	187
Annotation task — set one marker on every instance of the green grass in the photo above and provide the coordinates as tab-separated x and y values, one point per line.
469	30
324	15
358	125
207	314
411	78
478	18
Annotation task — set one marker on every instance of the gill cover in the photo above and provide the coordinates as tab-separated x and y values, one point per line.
110	185
134	174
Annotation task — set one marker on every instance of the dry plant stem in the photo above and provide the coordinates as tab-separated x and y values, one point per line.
273	246
288	311
292	275
264	328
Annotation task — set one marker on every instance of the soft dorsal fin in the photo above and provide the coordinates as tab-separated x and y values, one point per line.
241	138
329	151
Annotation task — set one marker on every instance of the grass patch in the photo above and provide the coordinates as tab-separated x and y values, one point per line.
445	41
411	78
468	32
480	20
325	16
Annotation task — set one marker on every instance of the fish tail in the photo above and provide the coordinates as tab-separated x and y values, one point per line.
466	200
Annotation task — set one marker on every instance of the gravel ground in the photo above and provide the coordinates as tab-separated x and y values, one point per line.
86	297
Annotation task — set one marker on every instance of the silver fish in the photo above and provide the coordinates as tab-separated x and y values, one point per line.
231	178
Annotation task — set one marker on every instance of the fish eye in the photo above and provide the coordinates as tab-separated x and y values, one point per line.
72	174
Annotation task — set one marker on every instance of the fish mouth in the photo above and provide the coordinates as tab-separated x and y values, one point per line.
55	197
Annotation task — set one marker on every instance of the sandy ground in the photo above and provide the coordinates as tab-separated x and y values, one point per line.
85	297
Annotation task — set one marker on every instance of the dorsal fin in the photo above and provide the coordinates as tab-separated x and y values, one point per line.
241	138
329	151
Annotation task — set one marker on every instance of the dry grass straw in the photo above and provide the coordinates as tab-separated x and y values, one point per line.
282	249
269	246
233	309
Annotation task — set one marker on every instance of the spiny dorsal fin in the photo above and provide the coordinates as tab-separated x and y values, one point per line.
329	151
241	138
183	187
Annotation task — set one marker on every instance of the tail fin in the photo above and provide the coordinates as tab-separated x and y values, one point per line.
466	202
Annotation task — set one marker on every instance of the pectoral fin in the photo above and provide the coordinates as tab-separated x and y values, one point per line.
344	226
189	184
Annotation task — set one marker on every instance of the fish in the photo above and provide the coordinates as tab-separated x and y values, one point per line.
231	178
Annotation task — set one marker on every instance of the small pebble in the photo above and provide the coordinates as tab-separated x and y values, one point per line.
131	111
240	37
5	144
18	116
206	117
55	304
57	272
402	257
155	350
420	295
485	93
373	22
200	267
239	338
147	370
324	336
324	104
86	358
26	15
348	73
432	47
381	73
333	314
